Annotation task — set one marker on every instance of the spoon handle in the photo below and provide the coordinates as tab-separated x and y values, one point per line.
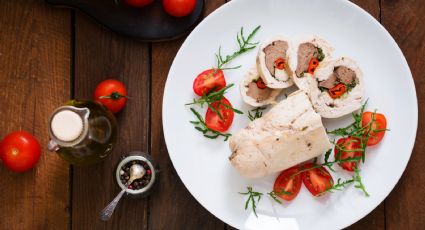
108	210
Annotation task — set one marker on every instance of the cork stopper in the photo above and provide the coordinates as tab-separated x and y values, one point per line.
67	125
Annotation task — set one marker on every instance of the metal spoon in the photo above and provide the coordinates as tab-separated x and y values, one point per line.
136	172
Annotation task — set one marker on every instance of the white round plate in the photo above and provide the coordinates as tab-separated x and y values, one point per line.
203	164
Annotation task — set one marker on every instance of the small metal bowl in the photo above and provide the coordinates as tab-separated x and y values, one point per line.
140	156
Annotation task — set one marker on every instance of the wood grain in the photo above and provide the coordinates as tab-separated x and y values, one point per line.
34	79
173	207
405	20
99	55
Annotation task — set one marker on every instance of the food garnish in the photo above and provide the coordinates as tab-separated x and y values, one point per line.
212	97
257	113
251	199
202	127
245	45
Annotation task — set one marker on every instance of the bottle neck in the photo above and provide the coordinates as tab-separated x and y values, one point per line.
68	126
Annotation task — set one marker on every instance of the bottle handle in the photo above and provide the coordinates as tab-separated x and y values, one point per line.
53	146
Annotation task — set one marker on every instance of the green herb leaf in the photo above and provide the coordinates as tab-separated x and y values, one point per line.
245	45
251	199
257	113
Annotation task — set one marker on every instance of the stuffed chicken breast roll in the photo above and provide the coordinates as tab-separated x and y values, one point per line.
272	63
255	92
336	89
290	133
308	55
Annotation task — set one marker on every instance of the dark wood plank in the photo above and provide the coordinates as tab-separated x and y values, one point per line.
101	54
405	20
34	79
178	210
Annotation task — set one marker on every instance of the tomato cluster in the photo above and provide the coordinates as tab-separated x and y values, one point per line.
220	118
317	178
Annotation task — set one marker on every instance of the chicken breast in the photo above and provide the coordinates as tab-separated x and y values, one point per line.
290	133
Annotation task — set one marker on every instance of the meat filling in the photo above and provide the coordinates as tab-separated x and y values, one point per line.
257	93
306	51
341	74
275	50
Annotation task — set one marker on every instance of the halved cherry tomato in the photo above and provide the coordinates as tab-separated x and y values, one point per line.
337	91
317	180
260	83
376	128
312	65
213	120
349	144
211	79
287	182
279	63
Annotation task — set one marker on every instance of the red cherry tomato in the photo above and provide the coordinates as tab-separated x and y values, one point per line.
211	79
377	130
286	182
348	144
212	119
112	94
317	180
138	3
179	8
261	84
19	151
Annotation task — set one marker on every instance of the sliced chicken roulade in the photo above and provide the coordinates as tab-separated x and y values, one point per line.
255	92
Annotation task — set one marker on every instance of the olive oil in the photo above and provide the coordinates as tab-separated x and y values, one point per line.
96	138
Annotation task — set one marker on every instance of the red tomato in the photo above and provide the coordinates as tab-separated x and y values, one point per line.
209	80
138	3
261	84
349	144
112	94
179	8
317	180
214	122
287	182
377	130
19	151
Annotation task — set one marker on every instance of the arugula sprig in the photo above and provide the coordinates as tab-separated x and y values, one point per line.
257	113
355	179
212	97
245	45
207	132
274	195
251	199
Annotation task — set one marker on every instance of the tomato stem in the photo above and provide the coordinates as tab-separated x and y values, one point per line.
114	96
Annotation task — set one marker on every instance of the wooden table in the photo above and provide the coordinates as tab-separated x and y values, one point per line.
49	55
